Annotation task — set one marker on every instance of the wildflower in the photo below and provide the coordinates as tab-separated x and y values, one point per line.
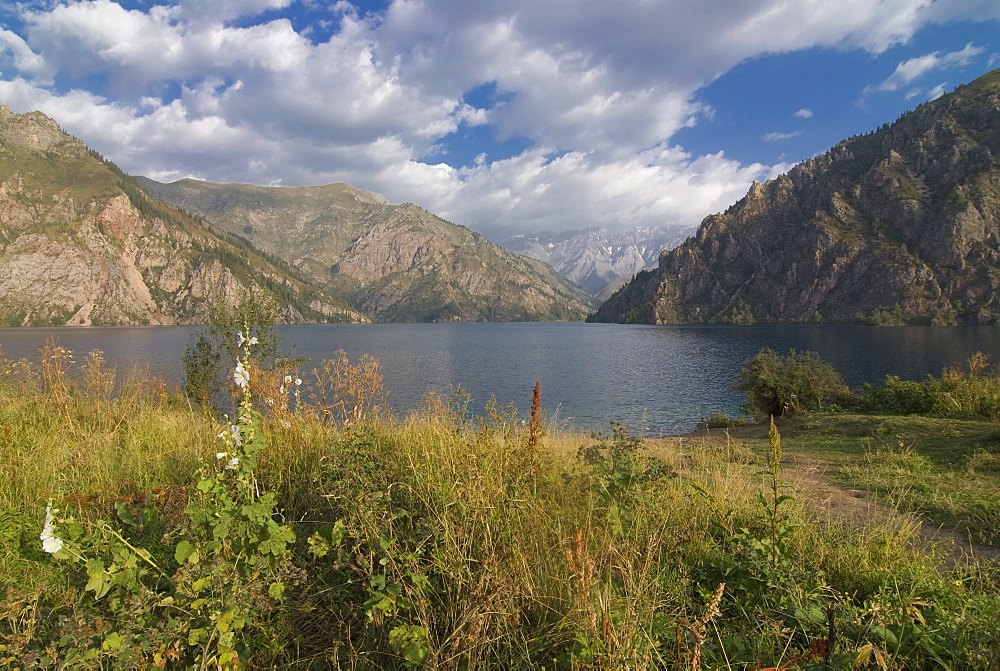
298	381
251	341
220	455
288	379
50	543
240	375
233	463
281	389
237	436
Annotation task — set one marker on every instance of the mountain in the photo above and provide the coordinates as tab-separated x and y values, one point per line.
394	262
901	225
81	244
594	257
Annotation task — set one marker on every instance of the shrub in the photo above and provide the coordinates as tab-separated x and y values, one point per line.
720	420
971	393
778	385
895	396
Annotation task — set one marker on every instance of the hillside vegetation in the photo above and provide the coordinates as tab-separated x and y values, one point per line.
311	530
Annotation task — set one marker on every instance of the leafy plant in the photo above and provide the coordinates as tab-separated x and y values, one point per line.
778	385
896	396
229	564
618	470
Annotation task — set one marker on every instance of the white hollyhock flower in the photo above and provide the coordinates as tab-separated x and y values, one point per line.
50	543
240	375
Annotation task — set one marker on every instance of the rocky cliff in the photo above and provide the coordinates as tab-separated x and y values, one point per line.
901	225
393	262
81	244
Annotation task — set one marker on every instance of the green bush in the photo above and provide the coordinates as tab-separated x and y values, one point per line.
778	385
895	396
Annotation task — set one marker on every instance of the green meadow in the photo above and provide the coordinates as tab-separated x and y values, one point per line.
310	529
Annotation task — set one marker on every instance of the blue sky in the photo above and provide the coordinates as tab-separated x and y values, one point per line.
503	116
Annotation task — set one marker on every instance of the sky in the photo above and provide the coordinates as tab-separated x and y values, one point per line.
505	116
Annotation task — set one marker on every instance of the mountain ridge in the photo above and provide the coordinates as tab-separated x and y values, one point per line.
901	225
82	244
394	262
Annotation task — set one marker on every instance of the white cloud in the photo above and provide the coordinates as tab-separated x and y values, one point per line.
220	11
777	136
23	58
910	70
597	89
936	92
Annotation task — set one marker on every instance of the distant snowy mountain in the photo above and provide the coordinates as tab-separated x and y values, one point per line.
596	257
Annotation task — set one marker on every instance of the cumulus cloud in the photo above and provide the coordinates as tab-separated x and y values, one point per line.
910	70
234	90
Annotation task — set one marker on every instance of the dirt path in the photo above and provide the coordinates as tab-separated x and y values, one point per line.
826	499
855	507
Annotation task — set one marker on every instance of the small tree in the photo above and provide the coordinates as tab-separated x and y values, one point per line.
214	349
778	385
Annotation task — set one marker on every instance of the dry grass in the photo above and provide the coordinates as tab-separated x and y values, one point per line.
486	538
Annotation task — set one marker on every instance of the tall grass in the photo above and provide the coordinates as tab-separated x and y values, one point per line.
463	540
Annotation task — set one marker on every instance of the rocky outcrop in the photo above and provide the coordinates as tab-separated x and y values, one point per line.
898	226
395	263
81	244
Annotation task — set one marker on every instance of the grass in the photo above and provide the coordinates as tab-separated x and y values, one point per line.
442	541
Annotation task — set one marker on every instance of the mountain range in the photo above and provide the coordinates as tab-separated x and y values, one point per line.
897	226
597	259
82	243
392	262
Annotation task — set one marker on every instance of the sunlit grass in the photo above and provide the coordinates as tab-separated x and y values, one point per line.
450	535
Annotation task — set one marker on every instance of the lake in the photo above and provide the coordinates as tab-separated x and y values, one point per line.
658	380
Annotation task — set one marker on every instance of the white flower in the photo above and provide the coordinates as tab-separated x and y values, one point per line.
50	543
253	341
222	434
288	379
240	339
220	455
237	437
281	389
240	375
233	463
298	381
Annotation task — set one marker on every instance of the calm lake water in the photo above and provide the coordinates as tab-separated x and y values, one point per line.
656	379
